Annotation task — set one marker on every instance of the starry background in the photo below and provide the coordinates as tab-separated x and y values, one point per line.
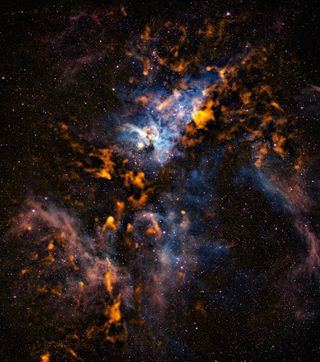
160	181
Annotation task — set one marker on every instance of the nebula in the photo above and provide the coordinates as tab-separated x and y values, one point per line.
165	202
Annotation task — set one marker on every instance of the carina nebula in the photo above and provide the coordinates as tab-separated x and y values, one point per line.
160	181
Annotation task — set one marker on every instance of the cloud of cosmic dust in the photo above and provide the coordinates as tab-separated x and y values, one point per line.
182	214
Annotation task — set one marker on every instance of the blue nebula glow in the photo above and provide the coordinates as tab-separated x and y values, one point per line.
154	129
261	182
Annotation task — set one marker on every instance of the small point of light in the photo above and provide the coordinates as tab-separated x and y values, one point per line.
140	145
